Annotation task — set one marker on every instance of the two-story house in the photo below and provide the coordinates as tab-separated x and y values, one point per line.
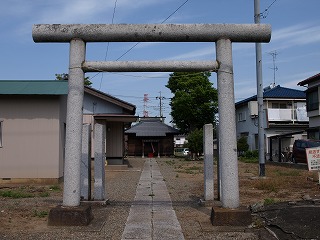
313	109
285	118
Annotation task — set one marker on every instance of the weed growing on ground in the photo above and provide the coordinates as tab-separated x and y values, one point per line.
15	194
267	185
170	162
55	188
293	173
40	214
269	201
44	194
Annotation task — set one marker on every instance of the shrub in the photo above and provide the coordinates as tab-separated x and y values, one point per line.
242	145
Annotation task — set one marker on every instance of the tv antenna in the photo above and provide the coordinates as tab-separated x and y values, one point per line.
274	68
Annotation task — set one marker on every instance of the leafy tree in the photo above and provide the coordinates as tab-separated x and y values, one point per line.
195	141
65	76
195	101
242	145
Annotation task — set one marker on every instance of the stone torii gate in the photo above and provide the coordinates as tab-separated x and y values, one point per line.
222	34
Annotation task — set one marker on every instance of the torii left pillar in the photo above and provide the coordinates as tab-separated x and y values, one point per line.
71	212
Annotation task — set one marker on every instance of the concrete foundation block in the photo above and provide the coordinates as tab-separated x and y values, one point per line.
115	161
70	216
230	217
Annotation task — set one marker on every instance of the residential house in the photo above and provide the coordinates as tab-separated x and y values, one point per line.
33	125
284	119
116	114
313	110
180	140
32	130
151	137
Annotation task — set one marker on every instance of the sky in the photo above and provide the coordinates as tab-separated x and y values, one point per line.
291	56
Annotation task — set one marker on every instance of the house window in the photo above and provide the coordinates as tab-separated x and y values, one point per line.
241	117
279	105
1	126
312	100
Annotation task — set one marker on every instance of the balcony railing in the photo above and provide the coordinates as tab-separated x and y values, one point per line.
299	114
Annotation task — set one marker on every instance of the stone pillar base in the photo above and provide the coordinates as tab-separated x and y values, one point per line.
70	216
230	217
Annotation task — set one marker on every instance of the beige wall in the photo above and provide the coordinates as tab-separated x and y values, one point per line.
31	133
114	137
115	140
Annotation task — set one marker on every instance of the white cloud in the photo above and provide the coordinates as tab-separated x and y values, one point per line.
300	34
202	52
69	11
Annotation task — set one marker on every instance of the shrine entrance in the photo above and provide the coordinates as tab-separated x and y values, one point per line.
222	34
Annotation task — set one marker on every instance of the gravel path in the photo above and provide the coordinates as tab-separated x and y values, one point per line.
185	189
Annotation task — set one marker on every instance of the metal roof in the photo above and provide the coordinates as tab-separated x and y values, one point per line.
310	79
54	87
152	129
109	98
277	92
27	87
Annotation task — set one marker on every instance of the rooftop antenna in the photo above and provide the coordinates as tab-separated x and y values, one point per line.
274	68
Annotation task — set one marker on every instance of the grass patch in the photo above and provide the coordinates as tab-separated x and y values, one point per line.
55	188
170	162
269	201
292	173
194	168
44	194
40	214
15	194
248	160
267	185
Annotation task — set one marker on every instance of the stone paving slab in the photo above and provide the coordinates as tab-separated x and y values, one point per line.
151	214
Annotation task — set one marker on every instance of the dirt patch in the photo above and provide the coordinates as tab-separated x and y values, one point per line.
25	208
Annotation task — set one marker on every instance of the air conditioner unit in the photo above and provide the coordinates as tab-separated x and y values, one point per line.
253	108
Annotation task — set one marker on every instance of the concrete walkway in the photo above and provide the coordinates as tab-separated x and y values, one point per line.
151	214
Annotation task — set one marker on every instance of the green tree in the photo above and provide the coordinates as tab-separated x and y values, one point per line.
195	100
65	76
195	141
242	145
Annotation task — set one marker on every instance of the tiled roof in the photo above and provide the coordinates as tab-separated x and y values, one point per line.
28	87
151	129
278	92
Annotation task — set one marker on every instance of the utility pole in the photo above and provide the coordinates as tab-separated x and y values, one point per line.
257	16
160	98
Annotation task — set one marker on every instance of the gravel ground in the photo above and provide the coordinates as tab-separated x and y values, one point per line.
184	180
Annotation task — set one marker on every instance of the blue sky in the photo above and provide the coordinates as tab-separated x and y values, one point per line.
295	38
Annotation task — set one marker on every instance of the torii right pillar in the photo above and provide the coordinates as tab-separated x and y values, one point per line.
227	126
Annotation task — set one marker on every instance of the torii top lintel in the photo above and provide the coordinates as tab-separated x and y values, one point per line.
151	32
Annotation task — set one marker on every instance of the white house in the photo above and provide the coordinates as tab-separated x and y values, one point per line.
285	119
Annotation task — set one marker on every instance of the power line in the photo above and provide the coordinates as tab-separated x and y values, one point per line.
175	11
106	55
161	22
265	13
